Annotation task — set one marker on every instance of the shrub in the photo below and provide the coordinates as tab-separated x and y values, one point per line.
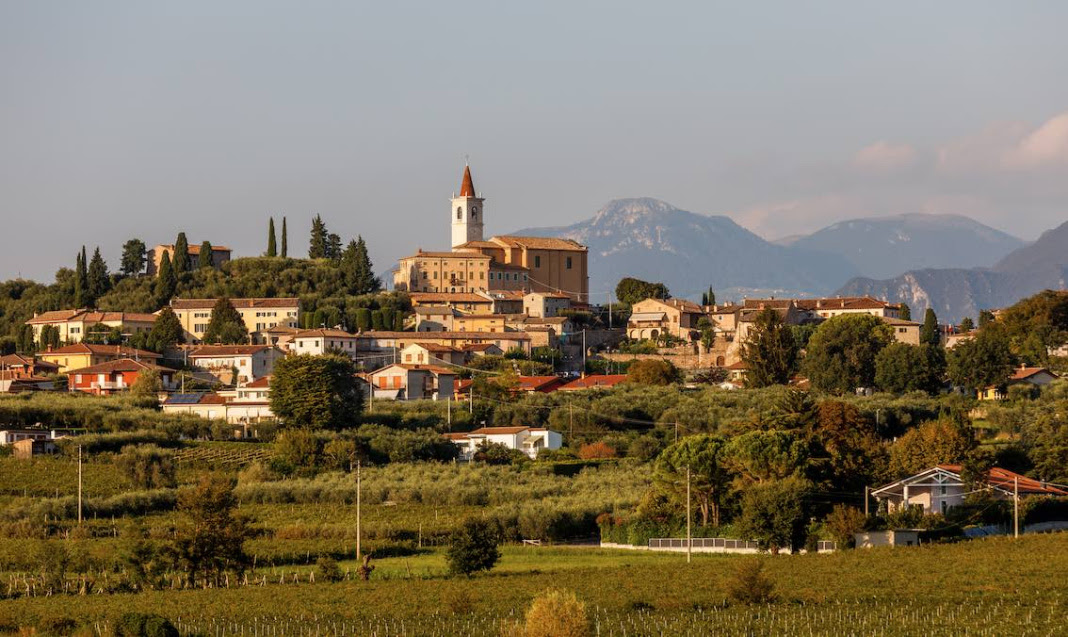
473	547
147	466
556	613
328	570
842	523
144	625
750	585
596	450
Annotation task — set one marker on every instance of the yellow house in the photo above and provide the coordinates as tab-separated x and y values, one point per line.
81	355
219	256
652	318
904	331
259	315
74	324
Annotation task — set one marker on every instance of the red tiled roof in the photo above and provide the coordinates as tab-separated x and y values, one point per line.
323	333
441	254
101	350
18	360
1023	373
120	365
87	316
261	382
477	347
446	297
201	304
1004	479
212	351
467	186
430	368
431	336
207	398
603	380
539	243
534	383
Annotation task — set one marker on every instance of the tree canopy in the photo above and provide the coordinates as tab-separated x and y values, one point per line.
769	352
318	392
703	455
630	290
901	368
226	326
841	353
982	361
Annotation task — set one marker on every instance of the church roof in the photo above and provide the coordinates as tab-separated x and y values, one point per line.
539	243
467	188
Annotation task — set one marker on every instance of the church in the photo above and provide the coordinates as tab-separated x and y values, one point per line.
476	264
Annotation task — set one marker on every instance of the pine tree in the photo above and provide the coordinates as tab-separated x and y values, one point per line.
285	242
929	332
133	257
166	281
349	267
710	297
272	250
226	325
906	313
365	279
317	248
97	277
207	256
333	246
180	260
166	331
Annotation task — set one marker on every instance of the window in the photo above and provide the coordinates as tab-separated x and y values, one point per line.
474	213
459	213
482	276
567	263
537	261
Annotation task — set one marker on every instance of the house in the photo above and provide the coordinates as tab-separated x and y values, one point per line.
736	372
1035	376
907	332
652	318
248	404
20	366
208	405
545	304
481	349
74	325
529	440
115	376
402	381
12	382
248	362
219	256
11	436
26	449
539	384
466	302
605	381
941	488
435	318
952	340
505	301
543	331
386	341
82	355
258	314
432	354
279	336
323	341
509	263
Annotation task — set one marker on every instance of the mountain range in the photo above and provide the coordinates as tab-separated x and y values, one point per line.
946	259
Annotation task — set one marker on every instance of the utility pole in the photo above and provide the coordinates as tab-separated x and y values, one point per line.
609	310
1015	507
583	351
79	485
450	412
866	497
676	430
571	420
471	396
689	517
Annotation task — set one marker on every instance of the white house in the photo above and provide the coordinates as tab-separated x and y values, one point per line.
402	381
529	440
941	488
250	361
322	341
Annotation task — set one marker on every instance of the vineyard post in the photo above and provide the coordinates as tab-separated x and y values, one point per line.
358	555
1015	507
866	498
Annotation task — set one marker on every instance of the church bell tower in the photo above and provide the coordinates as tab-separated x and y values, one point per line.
466	213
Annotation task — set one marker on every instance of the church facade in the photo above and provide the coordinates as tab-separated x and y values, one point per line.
475	264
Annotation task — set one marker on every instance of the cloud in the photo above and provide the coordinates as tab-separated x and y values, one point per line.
883	156
1046	146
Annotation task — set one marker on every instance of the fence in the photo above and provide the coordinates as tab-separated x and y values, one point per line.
709	545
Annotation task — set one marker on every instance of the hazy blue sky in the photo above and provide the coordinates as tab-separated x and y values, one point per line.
140	119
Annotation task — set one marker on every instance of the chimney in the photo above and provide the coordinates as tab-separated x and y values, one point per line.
49	347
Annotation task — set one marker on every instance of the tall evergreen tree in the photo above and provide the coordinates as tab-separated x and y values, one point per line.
206	259
166	281
180	261
365	279
272	249
81	280
769	352
349	266
25	343
97	276
333	246
133	257
285	239
929	332
318	247
711	300
226	325
906	312
986	317
166	331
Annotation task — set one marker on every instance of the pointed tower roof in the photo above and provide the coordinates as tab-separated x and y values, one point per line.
467	188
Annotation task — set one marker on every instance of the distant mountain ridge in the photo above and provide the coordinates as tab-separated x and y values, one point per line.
956	293
653	240
883	247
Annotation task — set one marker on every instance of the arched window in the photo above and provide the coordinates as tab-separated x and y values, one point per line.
459	213
474	213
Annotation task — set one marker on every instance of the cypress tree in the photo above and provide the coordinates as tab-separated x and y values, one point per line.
226	325
364	272
180	261
349	267
97	277
207	256
166	331
166	281
285	242
929	332
272	250
906	313
333	246
81	280
711	296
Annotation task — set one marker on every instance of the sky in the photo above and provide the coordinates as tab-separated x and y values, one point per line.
143	119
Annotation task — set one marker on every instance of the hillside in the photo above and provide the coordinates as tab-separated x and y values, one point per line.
653	240
956	293
883	247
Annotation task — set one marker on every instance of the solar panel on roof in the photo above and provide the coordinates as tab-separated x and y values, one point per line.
184	399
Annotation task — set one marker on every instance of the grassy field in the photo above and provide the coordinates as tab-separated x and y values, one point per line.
984	587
